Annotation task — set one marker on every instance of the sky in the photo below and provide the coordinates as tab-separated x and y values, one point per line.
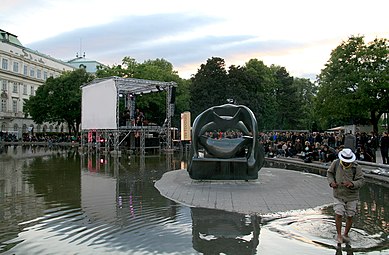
298	35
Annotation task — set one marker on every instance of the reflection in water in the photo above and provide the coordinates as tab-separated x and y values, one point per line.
63	202
216	232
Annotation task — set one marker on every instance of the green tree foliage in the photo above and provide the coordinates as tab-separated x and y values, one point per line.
59	100
209	86
288	101
353	86
153	104
276	98
306	92
265	104
126	70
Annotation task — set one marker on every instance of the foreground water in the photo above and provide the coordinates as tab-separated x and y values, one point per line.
63	202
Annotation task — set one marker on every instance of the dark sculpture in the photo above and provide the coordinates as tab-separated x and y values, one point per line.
237	158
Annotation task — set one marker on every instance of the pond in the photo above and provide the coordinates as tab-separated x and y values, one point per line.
61	201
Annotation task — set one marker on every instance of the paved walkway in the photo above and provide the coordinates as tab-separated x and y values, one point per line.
276	190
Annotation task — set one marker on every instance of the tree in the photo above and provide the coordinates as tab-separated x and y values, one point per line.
59	100
288	115
209	86
306	92
126	70
153	104
264	104
354	85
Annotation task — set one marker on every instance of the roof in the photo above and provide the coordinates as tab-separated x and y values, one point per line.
11	38
136	86
83	60
90	65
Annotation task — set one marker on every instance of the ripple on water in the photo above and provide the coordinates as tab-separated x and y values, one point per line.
139	228
318	229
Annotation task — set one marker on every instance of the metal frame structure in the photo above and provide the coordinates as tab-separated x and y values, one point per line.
134	87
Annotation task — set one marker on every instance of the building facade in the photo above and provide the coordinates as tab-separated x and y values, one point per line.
89	65
22	71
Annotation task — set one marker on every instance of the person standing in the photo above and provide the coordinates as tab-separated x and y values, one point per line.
350	141
384	147
373	145
345	177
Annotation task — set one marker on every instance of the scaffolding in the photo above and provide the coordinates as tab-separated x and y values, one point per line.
94	96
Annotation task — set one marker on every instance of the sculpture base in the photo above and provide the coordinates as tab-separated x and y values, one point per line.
221	169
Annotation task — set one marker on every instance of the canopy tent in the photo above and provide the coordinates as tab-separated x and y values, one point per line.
136	86
100	101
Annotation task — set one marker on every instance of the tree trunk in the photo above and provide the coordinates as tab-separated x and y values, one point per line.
71	126
374	120
76	128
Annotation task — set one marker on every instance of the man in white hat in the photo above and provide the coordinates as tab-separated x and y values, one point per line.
345	177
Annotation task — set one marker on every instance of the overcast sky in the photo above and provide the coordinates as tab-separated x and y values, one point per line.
298	35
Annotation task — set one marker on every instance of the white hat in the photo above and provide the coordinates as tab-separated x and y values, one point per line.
346	155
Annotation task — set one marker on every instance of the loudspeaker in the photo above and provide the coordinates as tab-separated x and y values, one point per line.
173	97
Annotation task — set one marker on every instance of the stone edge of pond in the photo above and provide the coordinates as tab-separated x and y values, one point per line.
365	165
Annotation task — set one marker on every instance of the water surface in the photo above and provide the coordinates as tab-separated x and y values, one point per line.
58	201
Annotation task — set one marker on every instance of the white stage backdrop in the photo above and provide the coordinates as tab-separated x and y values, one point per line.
99	106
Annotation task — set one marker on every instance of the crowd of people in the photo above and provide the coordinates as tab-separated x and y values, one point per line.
318	146
39	137
324	147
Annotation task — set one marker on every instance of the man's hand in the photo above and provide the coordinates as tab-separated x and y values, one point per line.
348	184
333	185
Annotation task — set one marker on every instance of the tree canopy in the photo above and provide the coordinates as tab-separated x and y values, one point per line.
154	104
275	97
59	99
354	85
209	86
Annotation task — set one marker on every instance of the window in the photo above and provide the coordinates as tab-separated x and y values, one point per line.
4	126
32	72
44	75
32	90
3	105
24	89
4	85
15	87
4	64
25	68
15	105
16	67
38	74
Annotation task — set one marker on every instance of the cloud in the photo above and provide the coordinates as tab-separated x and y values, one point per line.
180	39
126	34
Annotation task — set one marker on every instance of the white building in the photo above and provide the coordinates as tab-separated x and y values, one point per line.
90	65
22	71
